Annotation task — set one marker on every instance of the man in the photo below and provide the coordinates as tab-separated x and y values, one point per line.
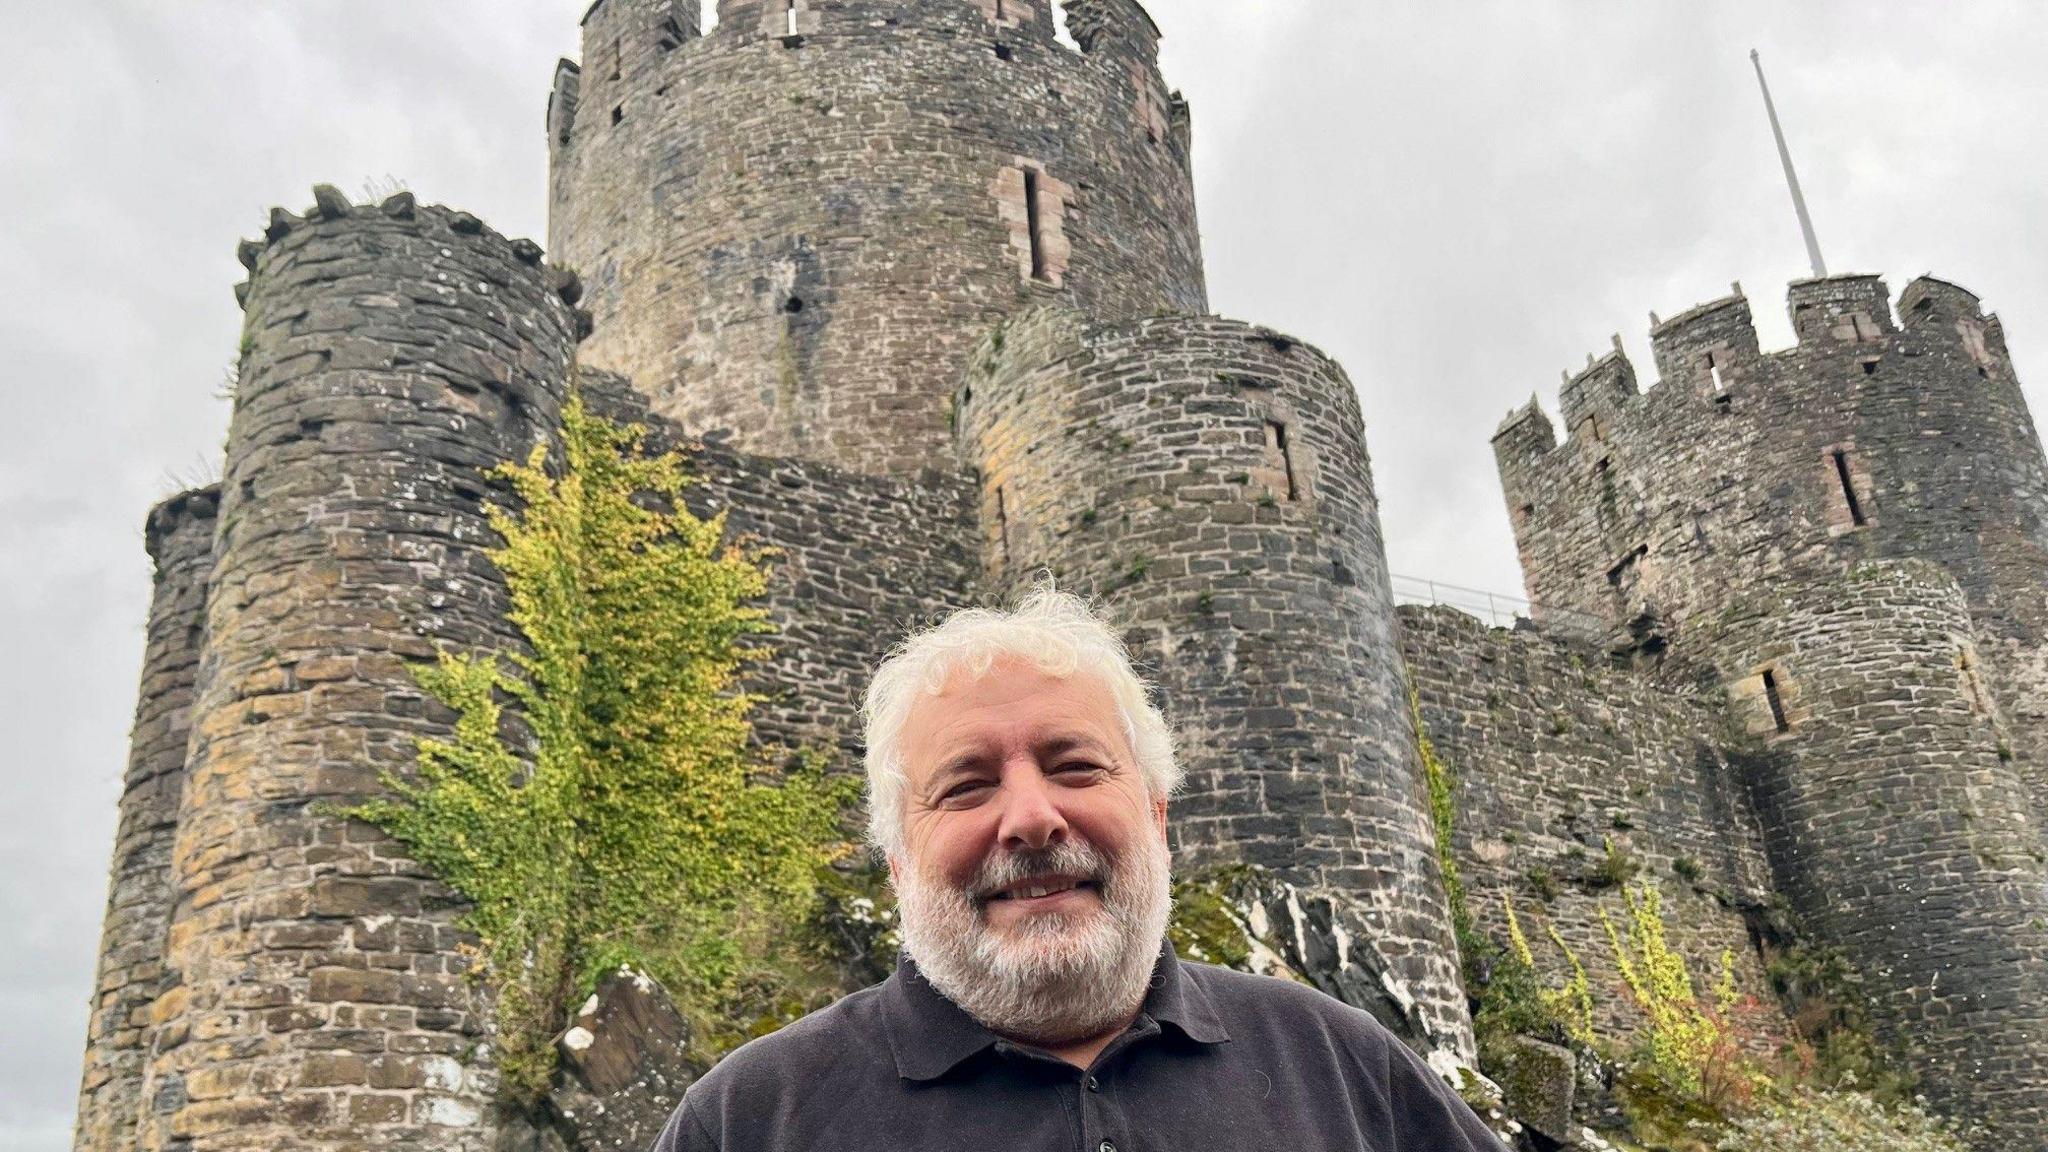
1018	779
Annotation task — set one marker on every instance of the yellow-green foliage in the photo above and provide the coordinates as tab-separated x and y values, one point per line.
1511	997
614	816
1681	1038
1442	810
1571	1005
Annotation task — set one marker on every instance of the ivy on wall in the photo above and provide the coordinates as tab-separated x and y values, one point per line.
598	803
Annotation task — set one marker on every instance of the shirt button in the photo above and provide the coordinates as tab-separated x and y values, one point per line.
1095	1085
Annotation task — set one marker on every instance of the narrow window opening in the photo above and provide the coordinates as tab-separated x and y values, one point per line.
1528	514
1002	12
618	113
1034	224
792	16
612	58
1973	685
1003	52
1002	527
1849	488
1276	439
1714	370
1870	367
671	34
1776	701
1982	372
793	305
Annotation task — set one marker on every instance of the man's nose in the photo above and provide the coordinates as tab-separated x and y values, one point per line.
1031	816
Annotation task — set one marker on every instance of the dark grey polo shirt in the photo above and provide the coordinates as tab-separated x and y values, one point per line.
1217	1060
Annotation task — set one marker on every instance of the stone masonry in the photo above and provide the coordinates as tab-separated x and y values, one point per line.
316	994
132	972
1899	827
1574	777
795	237
1209	480
917	289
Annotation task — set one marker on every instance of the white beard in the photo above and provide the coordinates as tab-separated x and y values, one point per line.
1057	977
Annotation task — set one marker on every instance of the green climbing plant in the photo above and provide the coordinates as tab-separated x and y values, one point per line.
598	803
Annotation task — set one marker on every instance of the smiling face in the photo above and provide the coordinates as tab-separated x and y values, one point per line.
1033	872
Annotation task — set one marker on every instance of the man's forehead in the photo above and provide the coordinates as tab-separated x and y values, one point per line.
1014	695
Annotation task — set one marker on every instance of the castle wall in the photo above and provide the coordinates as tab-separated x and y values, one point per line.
320	998
1557	757
1209	481
1897	825
856	563
131	964
796	238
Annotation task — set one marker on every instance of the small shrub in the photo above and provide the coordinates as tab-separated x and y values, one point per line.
1617	867
1808	1120
1687	1044
624	820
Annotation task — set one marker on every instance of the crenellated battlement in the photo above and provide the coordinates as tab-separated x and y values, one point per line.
1604	386
1738	461
1845	309
1709	348
1114	26
1711	352
456	226
1929	299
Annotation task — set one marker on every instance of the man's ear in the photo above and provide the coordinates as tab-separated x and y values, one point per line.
895	868
1159	815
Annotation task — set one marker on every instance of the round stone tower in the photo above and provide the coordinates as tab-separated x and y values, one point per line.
1897	824
131	968
1743	472
792	229
1850	536
318	996
1209	481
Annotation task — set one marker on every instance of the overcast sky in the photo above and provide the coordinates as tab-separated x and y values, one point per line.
1455	208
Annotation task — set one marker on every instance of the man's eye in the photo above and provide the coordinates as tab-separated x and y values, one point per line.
1073	767
965	789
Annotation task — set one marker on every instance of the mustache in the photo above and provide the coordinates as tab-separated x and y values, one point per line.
1071	858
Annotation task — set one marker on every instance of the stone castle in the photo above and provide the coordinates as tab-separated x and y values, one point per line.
920	286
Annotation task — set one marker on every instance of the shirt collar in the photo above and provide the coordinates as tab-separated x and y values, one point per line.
930	1035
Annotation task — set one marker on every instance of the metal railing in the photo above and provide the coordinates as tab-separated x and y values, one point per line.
1496	608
